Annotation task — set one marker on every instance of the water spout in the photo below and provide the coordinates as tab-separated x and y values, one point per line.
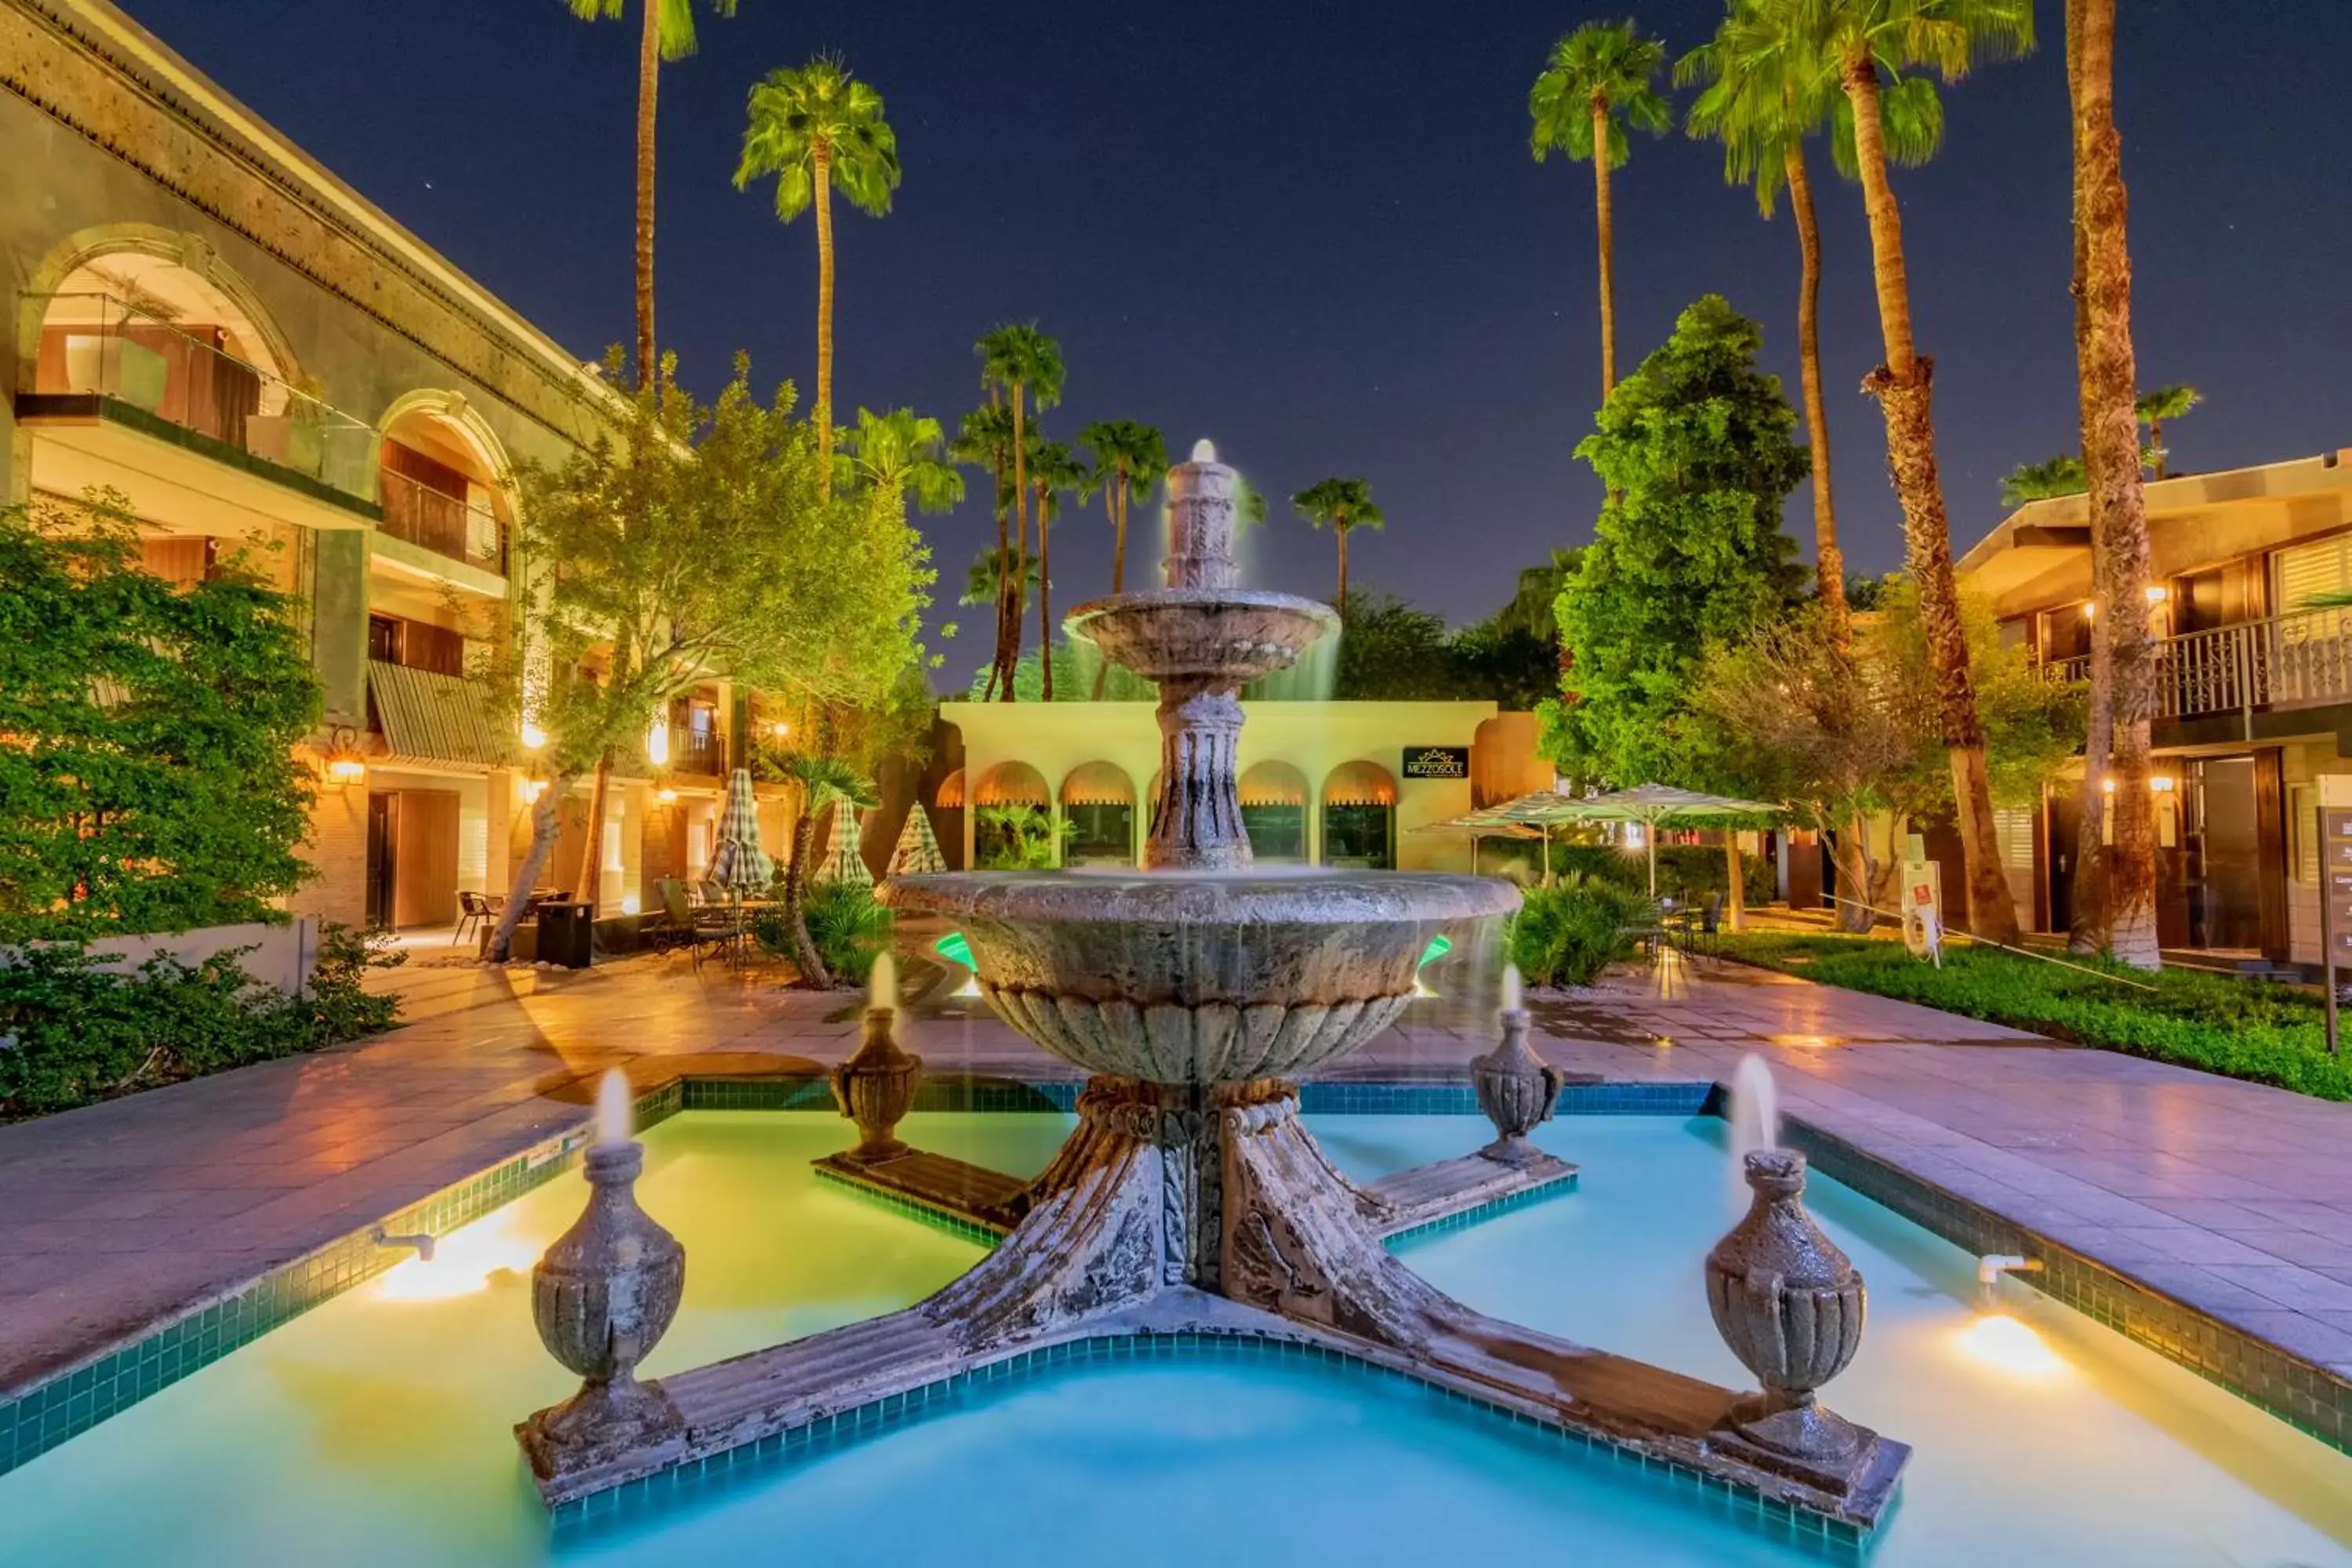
882	986
1993	1265
1755	1118
1513	998
617	1113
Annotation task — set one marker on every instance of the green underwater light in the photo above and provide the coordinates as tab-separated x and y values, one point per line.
1439	946
954	947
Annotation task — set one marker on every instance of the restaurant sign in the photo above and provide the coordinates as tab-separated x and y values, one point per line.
1438	762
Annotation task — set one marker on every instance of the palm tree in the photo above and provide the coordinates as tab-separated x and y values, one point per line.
822	781
1597	83
1027	366
1127	456
1052	472
814	129
984	580
668	33
2166	402
905	452
2059	476
1342	505
1864	46
984	439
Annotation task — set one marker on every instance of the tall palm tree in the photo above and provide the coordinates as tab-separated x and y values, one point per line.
2111	414
1026	365
1128	456
984	439
816	129
1052	473
1596	83
2166	402
666	33
2062	475
1862	46
1343	506
906	453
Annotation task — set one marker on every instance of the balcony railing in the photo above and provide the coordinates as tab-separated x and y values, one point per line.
445	524
97	346
2287	661
697	751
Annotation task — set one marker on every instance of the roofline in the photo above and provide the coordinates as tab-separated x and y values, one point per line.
102	27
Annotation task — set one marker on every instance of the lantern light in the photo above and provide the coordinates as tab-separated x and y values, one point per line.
345	764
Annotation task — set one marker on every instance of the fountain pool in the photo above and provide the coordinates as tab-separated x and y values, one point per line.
374	1430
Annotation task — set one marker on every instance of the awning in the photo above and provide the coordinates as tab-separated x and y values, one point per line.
1098	784
1273	783
1011	784
1360	784
951	793
435	717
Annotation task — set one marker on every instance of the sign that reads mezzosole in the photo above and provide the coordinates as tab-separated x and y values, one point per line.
1438	762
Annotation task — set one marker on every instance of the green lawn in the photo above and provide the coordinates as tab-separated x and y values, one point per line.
2248	1029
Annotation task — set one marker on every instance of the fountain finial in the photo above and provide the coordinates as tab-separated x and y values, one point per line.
1204	450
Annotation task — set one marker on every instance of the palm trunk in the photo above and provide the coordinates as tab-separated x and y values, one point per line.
2119	503
2156	434
824	161
2087	924
546	827
1044	595
1339	527
589	883
804	955
648	80
1003	578
1608	232
1903	387
1020	544
1118	539
1829	561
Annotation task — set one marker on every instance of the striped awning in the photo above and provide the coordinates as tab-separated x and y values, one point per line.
1273	783
1360	784
436	717
1098	784
1011	784
951	795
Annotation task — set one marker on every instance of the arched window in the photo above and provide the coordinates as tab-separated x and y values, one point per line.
1098	804
1359	817
439	481
1274	813
1015	828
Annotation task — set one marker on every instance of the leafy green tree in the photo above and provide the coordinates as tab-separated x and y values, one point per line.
905	452
1391	652
148	781
1343	506
816	129
1025	366
1129	458
699	542
665	33
1695	449
1595	84
2155	407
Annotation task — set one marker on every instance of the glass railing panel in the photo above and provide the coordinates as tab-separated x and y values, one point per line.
445	524
98	344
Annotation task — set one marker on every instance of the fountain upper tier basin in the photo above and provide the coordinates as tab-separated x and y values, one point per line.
1202	634
1185	978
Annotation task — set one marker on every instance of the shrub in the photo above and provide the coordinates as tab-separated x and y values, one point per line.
849	926
1566	935
72	1033
1016	838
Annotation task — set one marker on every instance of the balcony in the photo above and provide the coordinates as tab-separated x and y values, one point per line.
2298	660
108	365
448	525
700	752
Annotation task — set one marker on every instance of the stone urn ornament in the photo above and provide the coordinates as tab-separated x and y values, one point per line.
1517	1089
1790	1305
602	1295
876	1087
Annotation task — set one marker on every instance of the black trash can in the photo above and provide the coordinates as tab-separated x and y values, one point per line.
567	933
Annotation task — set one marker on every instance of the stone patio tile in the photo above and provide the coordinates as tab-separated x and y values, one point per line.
2289	1286
2186	1244
2309	1335
2203	1289
2215	1214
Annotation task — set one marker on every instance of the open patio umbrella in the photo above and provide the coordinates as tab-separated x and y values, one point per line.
737	863
1656	805
1534	814
1479	826
843	863
917	851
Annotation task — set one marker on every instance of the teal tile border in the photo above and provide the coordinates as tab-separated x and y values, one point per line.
2308	1397
1478	1213
624	1507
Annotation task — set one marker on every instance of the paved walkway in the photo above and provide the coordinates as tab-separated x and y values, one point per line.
2235	1198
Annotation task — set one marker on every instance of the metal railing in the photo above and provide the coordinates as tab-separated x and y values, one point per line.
2286	661
101	345
445	524
698	750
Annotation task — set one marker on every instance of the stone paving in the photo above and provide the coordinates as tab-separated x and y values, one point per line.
2233	1198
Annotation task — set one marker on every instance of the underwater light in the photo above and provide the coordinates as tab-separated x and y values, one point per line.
1439	946
464	1262
1999	1341
954	948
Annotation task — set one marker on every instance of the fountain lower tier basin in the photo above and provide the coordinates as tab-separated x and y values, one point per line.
1194	979
1219	635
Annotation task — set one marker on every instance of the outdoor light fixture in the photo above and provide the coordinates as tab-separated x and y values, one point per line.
345	766
2090	610
2164	784
2158	593
533	737
665	795
782	728
658	743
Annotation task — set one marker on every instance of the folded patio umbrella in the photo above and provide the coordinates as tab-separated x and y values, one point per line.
917	852
843	863
737	863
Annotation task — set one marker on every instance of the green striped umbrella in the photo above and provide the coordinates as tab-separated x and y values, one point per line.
843	863
737	863
917	852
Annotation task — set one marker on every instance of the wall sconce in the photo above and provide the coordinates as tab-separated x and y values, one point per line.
781	729
658	743
665	795
345	766
2158	593
2090	610
2163	783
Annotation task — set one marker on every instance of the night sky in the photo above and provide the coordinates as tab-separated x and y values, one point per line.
1315	233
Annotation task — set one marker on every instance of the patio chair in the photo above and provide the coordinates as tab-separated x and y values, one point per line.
695	928
473	909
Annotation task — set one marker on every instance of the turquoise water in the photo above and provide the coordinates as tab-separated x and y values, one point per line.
376	1430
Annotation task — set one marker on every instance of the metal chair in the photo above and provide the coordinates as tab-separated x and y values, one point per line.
476	911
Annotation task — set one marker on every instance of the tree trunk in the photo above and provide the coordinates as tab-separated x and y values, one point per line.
824	411
1020	544
1830	562
814	973
546	827
1340	528
2119	503
2088	925
1903	387
1735	897
1607	231
1118	539
1003	558
1857	873
590	880
1044	595
648	80
2155	427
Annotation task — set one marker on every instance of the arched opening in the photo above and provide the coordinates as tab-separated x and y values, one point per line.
439	480
1015	830
950	794
1274	813
1359	817
1098	805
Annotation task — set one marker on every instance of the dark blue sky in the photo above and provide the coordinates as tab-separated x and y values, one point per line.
1314	232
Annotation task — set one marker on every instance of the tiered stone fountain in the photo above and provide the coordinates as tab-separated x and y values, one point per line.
1191	1198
